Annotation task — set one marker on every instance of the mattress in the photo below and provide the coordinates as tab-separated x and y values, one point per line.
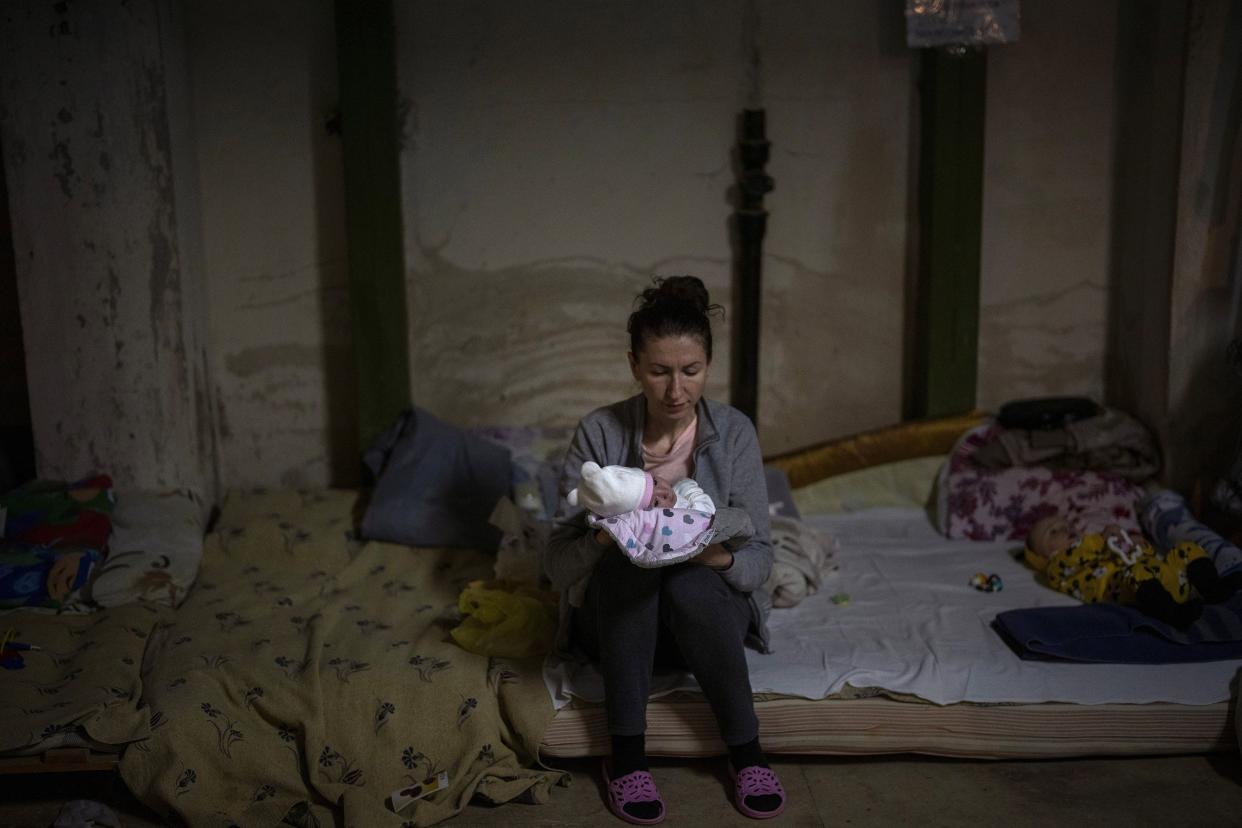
858	727
914	637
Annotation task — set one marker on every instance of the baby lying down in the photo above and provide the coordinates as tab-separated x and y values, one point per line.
654	523
1118	567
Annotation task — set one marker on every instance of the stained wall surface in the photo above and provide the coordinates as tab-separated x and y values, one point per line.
109	289
1204	417
556	157
1047	205
264	82
559	156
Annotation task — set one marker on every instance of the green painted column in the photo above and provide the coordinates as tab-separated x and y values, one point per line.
953	86
366	55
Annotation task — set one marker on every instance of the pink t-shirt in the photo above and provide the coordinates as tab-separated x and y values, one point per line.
676	464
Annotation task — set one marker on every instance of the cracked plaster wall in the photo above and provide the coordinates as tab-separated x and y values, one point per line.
1047	205
109	303
556	157
556	160
560	155
1203	423
264	85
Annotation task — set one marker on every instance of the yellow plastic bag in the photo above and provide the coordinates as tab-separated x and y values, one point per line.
500	619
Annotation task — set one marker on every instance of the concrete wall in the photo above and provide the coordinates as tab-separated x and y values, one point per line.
1203	421
108	284
264	82
556	157
1047	202
560	155
555	162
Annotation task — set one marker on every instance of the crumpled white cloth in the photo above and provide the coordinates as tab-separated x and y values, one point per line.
801	558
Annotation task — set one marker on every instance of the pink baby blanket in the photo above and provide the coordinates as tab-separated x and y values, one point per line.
659	537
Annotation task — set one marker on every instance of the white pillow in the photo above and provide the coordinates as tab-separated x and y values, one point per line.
154	549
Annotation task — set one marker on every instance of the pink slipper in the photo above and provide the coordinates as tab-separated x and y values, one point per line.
635	787
755	781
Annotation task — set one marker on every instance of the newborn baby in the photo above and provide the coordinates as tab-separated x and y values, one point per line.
1118	567
653	523
607	491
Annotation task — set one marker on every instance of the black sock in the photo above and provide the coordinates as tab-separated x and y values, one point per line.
743	756
749	755
1210	584
629	754
1152	599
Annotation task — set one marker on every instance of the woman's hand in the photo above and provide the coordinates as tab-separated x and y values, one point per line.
715	557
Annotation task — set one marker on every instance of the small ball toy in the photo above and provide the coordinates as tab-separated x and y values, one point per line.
987	583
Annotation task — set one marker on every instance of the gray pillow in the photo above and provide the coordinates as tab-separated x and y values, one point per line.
436	485
780	496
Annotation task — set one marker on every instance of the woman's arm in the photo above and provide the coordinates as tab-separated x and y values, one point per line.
752	560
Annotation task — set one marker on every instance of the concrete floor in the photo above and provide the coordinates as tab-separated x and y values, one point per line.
890	791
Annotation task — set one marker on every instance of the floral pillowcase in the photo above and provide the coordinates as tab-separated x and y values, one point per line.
984	504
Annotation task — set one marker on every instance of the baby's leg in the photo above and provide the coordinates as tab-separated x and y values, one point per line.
1201	573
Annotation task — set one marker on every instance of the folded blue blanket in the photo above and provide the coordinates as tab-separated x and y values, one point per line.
1111	634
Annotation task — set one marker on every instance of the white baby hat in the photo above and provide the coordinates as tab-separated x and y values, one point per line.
609	490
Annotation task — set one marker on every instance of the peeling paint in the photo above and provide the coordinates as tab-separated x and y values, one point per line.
222	417
1050	343
487	348
252	361
115	384
64	174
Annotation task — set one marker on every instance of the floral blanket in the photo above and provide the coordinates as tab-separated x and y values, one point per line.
71	676
308	676
976	502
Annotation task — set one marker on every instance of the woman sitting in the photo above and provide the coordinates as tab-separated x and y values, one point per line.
696	614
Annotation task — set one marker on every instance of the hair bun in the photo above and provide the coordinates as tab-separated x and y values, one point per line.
682	290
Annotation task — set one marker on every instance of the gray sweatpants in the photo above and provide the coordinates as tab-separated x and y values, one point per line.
682	616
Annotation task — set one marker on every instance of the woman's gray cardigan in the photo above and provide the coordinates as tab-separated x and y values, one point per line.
727	465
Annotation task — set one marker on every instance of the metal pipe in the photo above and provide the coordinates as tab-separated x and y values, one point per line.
751	221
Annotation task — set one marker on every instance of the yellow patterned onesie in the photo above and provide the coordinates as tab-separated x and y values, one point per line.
1096	570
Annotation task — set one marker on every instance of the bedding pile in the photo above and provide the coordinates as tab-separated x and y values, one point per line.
81	546
52	535
982	499
310	674
88	574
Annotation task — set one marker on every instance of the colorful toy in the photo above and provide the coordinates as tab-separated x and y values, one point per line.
987	583
11	651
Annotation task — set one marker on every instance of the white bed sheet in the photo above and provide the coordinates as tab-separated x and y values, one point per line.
914	625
